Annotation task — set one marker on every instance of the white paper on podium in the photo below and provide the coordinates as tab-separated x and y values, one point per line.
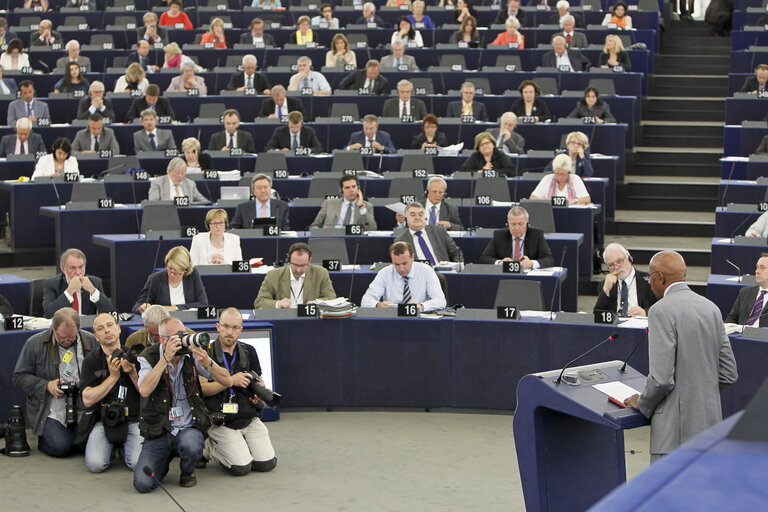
617	390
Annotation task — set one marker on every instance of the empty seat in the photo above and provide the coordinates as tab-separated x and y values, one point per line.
496	188
329	249
211	110
482	85
603	85
88	192
345	109
160	217
509	60
414	162
321	187
407	187
540	214
36	287
286	61
520	293
422	86
451	60
102	39
357	40
347	160
547	85
267	163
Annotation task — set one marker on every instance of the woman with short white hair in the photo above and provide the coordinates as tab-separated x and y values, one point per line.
562	183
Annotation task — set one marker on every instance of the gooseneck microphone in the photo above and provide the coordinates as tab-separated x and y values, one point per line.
738	269
554	291
623	368
56	191
725	189
354	266
157	253
612	337
151	474
277	263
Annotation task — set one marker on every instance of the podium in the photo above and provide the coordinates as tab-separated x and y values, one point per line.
569	440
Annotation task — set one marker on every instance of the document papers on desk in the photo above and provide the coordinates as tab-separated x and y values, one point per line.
617	390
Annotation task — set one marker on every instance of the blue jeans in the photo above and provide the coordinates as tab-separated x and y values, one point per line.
98	451
56	439
157	454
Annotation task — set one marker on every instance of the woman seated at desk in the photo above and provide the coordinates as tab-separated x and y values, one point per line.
591	107
429	136
196	161
216	247
467	33
135	79
59	161
177	287
562	183
488	157
581	163
73	80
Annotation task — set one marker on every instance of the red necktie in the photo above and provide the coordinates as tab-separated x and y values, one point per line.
516	254
568	40
75	302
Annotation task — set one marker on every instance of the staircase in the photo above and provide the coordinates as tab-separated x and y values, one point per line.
670	191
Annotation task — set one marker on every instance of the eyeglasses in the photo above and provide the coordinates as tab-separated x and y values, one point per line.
218	223
225	327
619	262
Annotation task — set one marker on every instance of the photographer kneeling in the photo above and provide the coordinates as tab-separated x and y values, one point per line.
110	391
239	441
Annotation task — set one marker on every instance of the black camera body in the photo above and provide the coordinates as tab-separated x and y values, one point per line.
130	353
15	434
268	397
198	339
70	390
218	418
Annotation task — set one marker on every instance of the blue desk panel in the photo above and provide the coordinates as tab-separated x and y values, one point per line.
723	290
16	290
743	256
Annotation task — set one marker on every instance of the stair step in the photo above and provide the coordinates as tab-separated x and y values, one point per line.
674	141
691	65
698	190
655	128
685	203
660	228
652	155
674	40
675	115
682	169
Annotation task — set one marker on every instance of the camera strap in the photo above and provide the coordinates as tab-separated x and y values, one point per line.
181	375
226	365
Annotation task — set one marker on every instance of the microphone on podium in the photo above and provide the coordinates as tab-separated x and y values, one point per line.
623	368
559	379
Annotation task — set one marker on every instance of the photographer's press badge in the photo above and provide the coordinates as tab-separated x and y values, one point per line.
175	413
122	392
69	370
230	407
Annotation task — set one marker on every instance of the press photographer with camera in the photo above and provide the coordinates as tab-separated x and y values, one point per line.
239	441
110	391
173	415
48	371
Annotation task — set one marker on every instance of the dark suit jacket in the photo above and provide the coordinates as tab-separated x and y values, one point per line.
578	39
281	138
534	246
601	110
445	249
260	82
448	212
421	138
85	104
381	137
35	144
356	80
392	108
761	149
454	110
156	291
577	19
34	39
161	32
379	22
514	144
501	163
6	309
162	107
751	84
134	57
742	308
205	161
247	211
247	38
268	107
626	63
10	83
578	61
501	18
244	140
54	298
645	296
540	109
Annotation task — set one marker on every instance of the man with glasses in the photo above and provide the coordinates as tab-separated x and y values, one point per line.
625	289
153	316
96	103
299	282
263	205
242	443
49	361
438	211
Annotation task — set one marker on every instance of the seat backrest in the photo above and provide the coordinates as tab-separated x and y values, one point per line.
482	85
421	161
100	39
36	287
495	187
233	61
211	110
85	192
444	286
521	293
509	60
322	186
329	249
547	85
160	217
266	163
345	109
119	62
653	5
540	214
343	160
129	160
406	187
356	37
423	83
603	85
449	60
286	61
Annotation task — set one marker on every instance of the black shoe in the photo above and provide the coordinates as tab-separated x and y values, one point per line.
202	463
188	480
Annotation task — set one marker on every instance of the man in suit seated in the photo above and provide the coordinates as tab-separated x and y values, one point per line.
96	137
438	211
565	59
368	79
562	12
757	83
371	137
151	100
96	103
572	38
749	308
349	209
262	206
5	34
506	138
175	184
150	138
398	59
431	241
27	106
73	288
24	142
369	17
7	85
299	282
467	106
512	11
151	32
405	282
231	137
73	55
625	289
295	135
248	78
518	242
257	37
280	105
45	36
306	79
404	104
141	55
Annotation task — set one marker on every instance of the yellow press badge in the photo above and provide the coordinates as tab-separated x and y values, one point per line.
67	357
229	408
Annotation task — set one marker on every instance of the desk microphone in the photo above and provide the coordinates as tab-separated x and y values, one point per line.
554	292
151	474
135	204
354	266
157	253
612	337
623	368
738	228
56	191
277	262
734	266
728	183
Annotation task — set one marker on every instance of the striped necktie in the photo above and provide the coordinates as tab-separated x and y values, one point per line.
406	291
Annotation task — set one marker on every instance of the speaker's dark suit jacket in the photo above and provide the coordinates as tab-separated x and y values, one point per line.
54	298
247	211
244	141
742	308
356	80
645	296
268	107
156	291
281	138
534	246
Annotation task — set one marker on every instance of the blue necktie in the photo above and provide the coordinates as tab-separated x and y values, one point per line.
433	215
152	141
757	309
29	109
279	112
425	247
624	299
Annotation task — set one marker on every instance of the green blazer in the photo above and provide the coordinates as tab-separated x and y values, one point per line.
277	286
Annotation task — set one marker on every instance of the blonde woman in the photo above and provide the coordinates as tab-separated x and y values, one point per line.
135	79
613	54
577	144
216	247
340	55
562	183
177	287
195	160
304	33
174	58
215	34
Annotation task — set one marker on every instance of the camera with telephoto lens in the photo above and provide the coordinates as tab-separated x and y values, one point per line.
70	390
268	397
199	339
15	433
113	412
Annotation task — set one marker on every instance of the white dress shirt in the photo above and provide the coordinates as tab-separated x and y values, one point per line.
563	60
177	294
422	282
297	290
417	246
